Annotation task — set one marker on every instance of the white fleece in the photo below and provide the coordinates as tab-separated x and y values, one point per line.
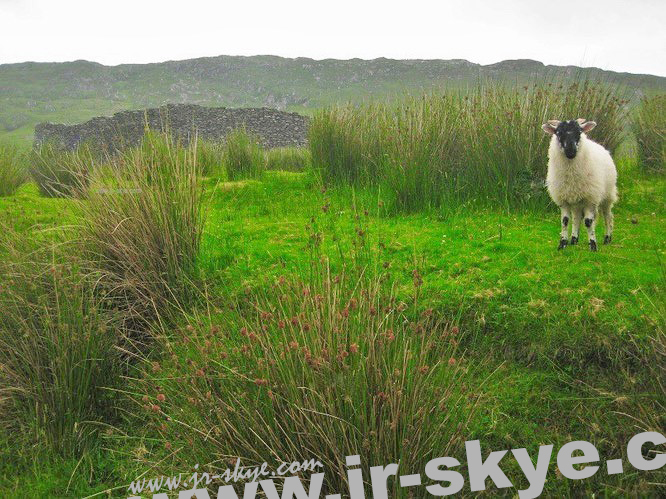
588	179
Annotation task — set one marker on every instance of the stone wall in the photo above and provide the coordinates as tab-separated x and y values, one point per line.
275	128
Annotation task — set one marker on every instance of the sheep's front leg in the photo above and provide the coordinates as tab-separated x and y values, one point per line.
590	222
577	215
564	234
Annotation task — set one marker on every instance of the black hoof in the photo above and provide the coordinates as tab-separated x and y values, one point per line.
588	222
607	239
593	245
563	244
574	240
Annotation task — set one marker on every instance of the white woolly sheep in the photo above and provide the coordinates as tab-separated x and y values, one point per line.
581	179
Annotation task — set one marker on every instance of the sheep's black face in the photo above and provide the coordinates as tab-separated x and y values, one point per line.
568	133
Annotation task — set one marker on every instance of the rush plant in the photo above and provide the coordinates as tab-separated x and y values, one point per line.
482	146
294	159
243	155
142	226
325	360
13	169
57	351
649	127
62	173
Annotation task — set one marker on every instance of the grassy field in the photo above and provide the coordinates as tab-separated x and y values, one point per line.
556	333
419	329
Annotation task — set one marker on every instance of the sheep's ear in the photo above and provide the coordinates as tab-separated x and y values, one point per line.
581	121
550	126
588	125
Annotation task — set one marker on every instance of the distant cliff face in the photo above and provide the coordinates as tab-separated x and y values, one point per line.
275	128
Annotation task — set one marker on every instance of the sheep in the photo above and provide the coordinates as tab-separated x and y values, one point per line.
581	179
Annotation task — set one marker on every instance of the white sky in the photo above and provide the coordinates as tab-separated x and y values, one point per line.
621	35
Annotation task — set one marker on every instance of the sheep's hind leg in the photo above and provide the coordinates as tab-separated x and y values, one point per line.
590	223
577	215
564	234
608	220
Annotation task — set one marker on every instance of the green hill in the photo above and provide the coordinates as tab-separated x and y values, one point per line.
71	92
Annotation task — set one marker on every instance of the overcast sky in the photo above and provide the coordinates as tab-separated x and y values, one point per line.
621	35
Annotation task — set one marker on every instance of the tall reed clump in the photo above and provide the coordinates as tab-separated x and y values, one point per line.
57	351
483	146
649	127
210	157
345	143
293	159
142	226
62	173
420	143
243	155
317	364
13	169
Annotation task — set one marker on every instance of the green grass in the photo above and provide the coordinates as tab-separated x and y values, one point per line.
81	291
58	357
210	158
500	271
439	150
141	227
569	328
315	360
28	212
243	155
61	173
561	345
649	127
13	169
290	159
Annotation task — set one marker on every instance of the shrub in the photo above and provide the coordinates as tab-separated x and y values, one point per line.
62	173
57	355
483	146
294	159
142	226
13	169
649	127
243	155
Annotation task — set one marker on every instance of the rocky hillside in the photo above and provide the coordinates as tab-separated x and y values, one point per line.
76	91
